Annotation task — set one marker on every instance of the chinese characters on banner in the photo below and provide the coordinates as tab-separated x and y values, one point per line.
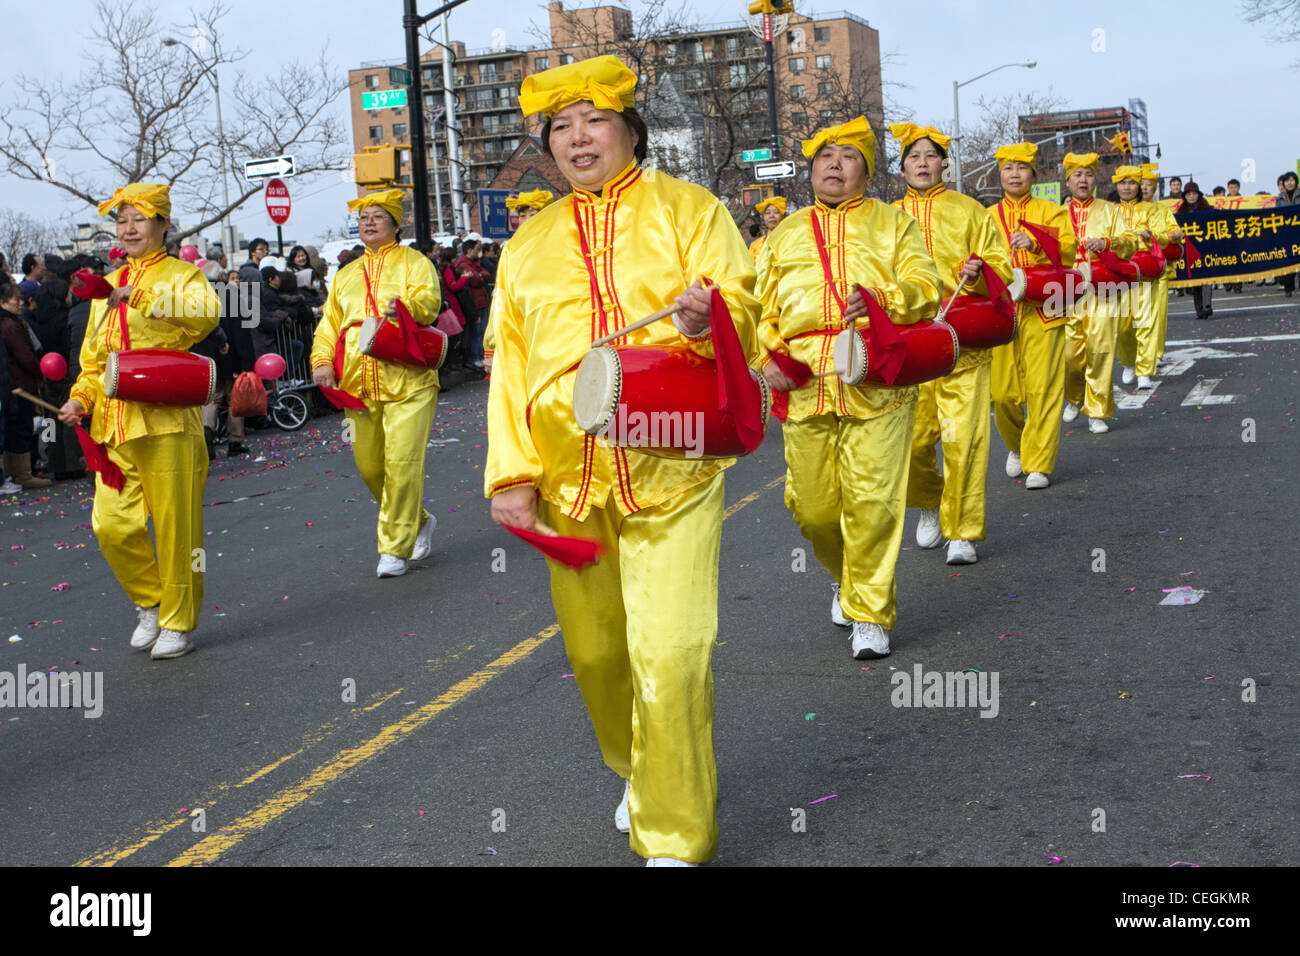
1236	245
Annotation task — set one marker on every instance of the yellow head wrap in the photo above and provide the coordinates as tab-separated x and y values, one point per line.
776	202
389	200
1075	161
602	80
1026	153
152	199
856	132
909	133
1149	171
537	199
1127	172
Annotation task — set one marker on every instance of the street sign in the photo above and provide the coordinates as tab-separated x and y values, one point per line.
276	194
755	155
268	166
383	100
1049	191
399	75
781	170
493	214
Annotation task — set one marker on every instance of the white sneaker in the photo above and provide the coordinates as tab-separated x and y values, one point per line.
1145	381
146	632
623	816
424	540
1129	375
390	566
869	641
9	488
1098	426
1037	480
1013	464
928	534
171	644
961	552
667	861
1071	412
837	614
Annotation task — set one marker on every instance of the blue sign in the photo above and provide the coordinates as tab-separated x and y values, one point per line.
493	216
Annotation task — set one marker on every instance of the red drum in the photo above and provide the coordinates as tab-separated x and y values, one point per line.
978	324
1148	265
932	352
659	400
383	340
1041	282
161	377
1173	252
1097	272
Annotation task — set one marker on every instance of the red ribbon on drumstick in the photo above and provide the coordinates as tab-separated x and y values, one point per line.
91	286
336	396
1190	254
999	295
1047	239
96	455
886	350
575	553
736	394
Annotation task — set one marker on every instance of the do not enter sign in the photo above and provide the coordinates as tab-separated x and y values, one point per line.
277	201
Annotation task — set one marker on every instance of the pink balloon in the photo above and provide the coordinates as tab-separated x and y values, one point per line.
190	253
54	366
270	365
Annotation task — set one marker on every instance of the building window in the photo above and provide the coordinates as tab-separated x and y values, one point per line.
739	74
796	64
798	92
822	34
823	61
372	81
541	63
799	119
828	116
376	133
795	38
825	89
399	131
487	73
694	80
566	59
733	47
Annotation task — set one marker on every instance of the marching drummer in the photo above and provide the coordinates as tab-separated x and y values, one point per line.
846	447
158	302
1137	346
1148	340
953	410
773	211
1091	329
639	626
1029	372
391	435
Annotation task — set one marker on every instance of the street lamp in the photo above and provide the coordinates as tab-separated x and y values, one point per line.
228	235
956	111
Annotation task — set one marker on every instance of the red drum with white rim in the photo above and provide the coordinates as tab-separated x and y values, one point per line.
1149	266
161	377
932	351
659	400
1097	272
1042	282
1173	252
978	324
383	340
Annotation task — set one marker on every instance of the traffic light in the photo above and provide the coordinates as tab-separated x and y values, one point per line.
771	6
752	195
377	166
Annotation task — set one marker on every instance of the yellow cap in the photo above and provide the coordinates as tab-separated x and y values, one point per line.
909	133
537	199
152	199
856	132
776	202
1026	153
1075	161
1149	171
602	81
389	200
1127	172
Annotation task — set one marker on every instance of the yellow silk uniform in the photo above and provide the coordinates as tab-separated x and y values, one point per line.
847	446
639	627
391	435
756	247
159	448
1030	370
954	410
1138	344
1092	327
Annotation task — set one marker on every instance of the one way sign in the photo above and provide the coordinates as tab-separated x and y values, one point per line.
268	167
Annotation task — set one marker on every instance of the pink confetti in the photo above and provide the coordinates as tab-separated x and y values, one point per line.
420	812
1055	859
1185	573
866	668
63	586
1012	634
823	799
409	634
562	676
1211	677
1189	776
1129	590
1181	863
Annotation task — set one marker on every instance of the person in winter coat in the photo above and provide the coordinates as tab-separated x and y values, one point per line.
24	368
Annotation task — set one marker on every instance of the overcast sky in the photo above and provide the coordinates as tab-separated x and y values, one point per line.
1216	87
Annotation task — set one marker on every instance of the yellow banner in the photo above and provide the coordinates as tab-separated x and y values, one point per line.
1235	202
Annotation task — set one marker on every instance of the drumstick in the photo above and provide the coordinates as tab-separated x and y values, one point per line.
955	293
541	528
638	324
36	401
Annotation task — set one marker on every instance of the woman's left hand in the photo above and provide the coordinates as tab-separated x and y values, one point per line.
696	314
391	311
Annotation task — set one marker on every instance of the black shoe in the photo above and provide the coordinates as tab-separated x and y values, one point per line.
210	439
236	448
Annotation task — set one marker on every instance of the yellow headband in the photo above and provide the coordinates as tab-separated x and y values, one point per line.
1075	161
602	81
1026	153
776	202
909	133
537	199
152	199
1127	172
856	133
1149	171
389	200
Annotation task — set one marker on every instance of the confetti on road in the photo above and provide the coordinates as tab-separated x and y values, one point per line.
61	586
1011	634
809	716
1190	776
1181	863
1054	859
1125	695
823	799
14	638
488	852
1178	597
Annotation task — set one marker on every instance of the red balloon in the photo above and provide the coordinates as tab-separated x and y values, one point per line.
54	366
270	365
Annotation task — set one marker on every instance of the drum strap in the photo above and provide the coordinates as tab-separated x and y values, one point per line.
820	239
585	248
121	310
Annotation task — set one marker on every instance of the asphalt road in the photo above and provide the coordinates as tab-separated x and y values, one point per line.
1121	735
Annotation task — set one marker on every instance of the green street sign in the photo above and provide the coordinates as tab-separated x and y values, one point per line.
383	99
1049	191
399	75
755	155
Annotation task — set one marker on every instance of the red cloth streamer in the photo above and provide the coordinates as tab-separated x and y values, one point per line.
737	396
576	553
1047	238
341	399
1159	253
886	350
798	372
998	293
780	405
1115	264
406	325
91	286
1190	255
97	460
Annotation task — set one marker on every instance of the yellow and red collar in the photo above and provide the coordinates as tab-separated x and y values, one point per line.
614	188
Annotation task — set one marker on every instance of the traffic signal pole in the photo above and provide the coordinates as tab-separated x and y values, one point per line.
771	82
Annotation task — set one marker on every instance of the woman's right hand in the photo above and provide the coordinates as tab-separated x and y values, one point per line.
777	378
72	413
516	507
323	376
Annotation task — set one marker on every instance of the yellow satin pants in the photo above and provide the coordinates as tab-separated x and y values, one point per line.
639	628
1028	384
846	483
1142	328
164	478
389	442
952	411
1090	357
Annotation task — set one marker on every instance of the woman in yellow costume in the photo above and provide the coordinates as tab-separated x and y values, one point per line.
390	436
773	211
846	446
526	205
639	627
953	410
157	303
1140	342
1029	372
1149	338
1091	329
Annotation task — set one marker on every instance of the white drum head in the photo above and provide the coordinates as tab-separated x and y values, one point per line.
850	357
1018	284
1085	269
596	389
366	337
110	376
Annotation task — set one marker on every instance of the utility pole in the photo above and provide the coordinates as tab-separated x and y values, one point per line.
769	10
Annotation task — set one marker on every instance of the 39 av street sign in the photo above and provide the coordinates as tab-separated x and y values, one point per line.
755	155
383	99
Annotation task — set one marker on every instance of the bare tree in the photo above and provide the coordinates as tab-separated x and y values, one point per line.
140	112
21	234
997	125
